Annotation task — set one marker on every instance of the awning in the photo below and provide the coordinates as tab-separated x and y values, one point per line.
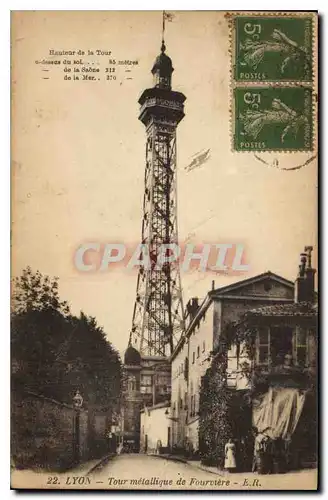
277	412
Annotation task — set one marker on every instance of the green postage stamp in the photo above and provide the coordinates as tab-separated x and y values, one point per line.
273	81
273	118
273	48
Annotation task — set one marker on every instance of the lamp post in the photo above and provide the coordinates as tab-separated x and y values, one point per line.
77	403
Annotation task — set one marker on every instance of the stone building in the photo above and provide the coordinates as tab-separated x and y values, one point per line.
284	372
205	322
147	383
263	383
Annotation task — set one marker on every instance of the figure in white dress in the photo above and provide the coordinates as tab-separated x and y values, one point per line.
230	456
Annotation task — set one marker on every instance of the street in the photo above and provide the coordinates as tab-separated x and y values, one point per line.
151	472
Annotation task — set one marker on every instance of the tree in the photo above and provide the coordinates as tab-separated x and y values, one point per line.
91	362
33	291
55	353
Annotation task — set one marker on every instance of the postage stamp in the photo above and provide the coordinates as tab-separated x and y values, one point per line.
272	118
271	48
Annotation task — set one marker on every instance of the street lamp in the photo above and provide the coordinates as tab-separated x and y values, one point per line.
77	403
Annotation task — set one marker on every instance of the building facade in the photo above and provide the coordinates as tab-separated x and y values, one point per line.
147	383
260	391
205	323
284	374
155	428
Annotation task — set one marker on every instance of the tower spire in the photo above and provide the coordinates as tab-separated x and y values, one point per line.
166	16
163	32
162	68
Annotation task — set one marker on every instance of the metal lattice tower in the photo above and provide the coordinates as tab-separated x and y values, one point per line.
158	319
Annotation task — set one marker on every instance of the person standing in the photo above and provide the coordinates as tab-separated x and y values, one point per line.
230	456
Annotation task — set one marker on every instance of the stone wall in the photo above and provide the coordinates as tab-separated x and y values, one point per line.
43	433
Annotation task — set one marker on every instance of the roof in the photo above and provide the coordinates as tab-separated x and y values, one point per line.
299	309
225	290
248	281
163	63
148	409
132	356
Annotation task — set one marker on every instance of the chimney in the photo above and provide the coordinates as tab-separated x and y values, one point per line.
309	275
192	308
304	284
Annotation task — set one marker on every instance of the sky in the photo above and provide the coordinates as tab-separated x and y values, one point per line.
78	158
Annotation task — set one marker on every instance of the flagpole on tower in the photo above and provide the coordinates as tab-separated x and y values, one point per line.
166	16
163	27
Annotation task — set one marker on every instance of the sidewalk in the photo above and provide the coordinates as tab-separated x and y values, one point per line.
244	475
192	463
91	466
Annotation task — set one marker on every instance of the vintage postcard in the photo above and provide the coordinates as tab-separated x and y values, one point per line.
164	250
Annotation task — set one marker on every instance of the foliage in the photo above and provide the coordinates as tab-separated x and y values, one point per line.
214	422
217	405
54	353
33	291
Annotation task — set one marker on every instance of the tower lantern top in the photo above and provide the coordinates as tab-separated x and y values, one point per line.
162	70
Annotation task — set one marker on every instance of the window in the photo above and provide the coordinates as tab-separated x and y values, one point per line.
203	350
281	344
193	357
311	348
301	347
274	343
198	351
163	383
193	403
192	398
146	384
186	369
263	342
